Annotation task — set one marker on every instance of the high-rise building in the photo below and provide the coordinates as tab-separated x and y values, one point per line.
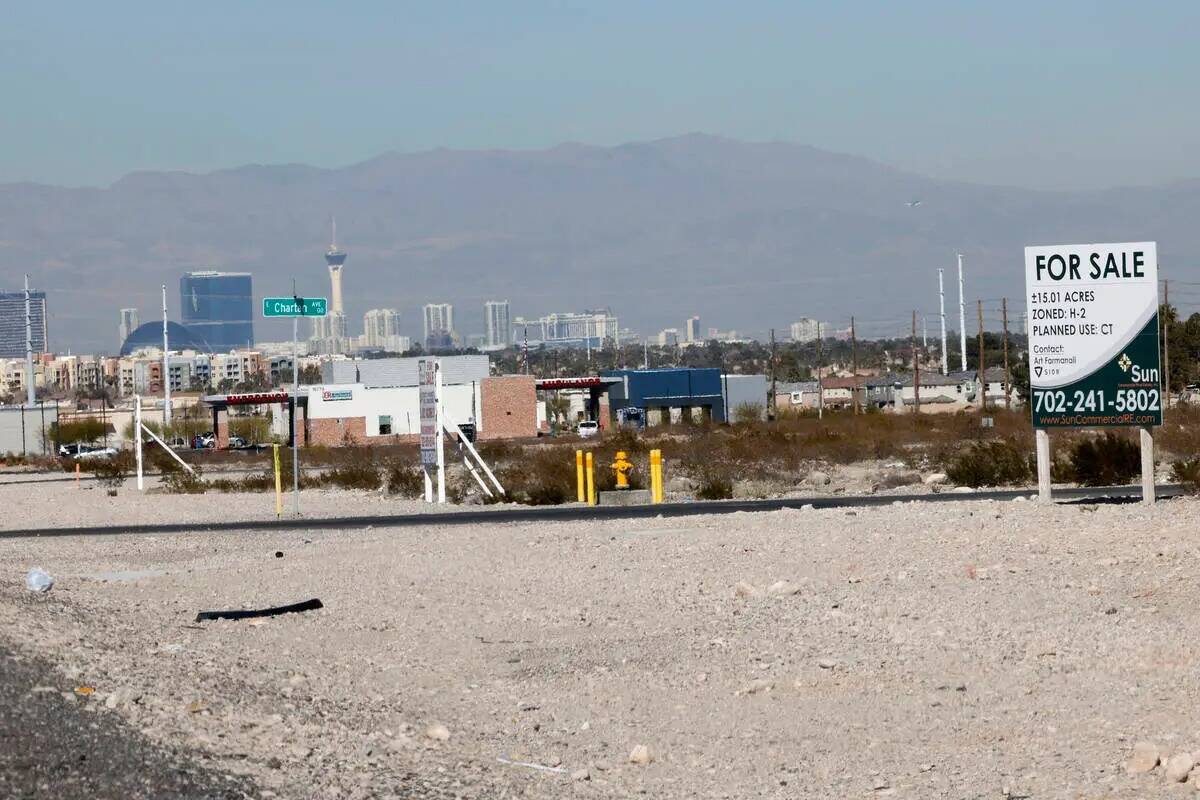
12	323
668	337
128	324
807	330
218	307
439	324
381	329
496	325
692	329
336	331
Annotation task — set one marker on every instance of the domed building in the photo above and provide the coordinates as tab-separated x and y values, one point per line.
179	337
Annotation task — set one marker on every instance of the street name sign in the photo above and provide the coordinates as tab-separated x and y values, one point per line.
295	307
1093	335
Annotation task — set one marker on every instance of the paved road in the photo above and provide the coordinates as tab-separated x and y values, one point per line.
575	512
56	749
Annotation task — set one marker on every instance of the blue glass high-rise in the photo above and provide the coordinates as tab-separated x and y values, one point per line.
219	308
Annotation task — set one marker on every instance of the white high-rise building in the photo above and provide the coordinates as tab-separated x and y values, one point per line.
128	324
439	321
807	330
381	328
692	329
589	328
496	323
668	337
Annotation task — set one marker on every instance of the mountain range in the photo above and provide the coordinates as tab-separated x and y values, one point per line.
746	235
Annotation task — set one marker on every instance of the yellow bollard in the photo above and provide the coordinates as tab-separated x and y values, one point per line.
591	481
579	476
278	484
656	482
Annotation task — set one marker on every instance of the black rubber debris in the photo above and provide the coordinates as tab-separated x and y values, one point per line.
307	605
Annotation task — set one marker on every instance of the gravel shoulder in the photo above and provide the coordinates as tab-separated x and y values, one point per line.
917	650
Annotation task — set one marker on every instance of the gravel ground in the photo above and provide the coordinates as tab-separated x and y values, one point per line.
975	649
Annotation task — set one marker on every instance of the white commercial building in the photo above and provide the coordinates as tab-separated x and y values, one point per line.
807	330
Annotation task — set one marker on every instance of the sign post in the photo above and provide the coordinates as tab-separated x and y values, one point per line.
295	307
1093	344
429	385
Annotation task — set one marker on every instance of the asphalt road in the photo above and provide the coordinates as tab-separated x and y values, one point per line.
53	747
575	512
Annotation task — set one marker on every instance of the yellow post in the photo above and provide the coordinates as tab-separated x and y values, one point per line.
656	485
579	476
591	481
278	484
76	474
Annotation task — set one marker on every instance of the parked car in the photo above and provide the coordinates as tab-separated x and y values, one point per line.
236	443
65	450
99	452
589	428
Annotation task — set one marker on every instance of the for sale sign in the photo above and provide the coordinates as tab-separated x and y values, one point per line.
1093	335
427	391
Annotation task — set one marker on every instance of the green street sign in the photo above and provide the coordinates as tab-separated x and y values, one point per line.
295	307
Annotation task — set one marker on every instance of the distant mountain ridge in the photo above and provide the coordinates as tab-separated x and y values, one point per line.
747	235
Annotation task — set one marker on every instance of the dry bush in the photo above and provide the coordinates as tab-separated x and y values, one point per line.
1106	460
996	463
1187	473
544	477
404	478
183	482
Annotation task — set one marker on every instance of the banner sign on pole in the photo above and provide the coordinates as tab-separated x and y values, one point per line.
1093	335
427	389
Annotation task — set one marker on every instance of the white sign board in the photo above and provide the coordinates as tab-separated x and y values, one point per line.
1093	335
427	376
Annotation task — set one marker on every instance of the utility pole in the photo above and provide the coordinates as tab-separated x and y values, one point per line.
982	379
1166	328
771	398
916	367
30	388
1007	373
942	314
820	387
854	366
166	378
962	315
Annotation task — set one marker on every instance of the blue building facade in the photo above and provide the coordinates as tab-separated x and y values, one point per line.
218	307
659	390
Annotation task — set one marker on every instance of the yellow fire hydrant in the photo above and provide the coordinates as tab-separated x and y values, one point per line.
621	467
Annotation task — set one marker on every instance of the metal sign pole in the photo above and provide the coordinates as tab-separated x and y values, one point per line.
441	453
295	413
137	438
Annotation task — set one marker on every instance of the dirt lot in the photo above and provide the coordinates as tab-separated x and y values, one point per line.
965	650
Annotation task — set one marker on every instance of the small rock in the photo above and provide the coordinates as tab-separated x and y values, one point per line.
439	733
641	754
879	784
581	775
781	588
826	663
746	590
962	490
936	479
1178	767
757	687
817	478
1144	758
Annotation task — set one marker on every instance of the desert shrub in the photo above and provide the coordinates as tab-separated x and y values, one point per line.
714	484
357	475
113	470
1187	473
183	482
1002	462
545	477
1105	460
746	413
497	450
404	478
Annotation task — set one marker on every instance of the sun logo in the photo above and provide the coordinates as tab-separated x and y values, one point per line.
1124	363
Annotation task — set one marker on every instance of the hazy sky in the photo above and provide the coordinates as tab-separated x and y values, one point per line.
1049	94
